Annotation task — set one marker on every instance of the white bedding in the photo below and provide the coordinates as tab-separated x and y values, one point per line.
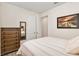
44	47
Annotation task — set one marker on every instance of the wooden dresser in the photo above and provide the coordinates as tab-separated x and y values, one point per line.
10	40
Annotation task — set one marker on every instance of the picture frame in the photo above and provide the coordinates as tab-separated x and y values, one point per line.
69	21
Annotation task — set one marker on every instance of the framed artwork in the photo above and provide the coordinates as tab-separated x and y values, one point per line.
70	21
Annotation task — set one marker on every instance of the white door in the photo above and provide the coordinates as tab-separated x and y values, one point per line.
44	25
31	27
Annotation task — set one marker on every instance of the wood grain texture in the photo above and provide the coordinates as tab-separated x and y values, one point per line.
10	40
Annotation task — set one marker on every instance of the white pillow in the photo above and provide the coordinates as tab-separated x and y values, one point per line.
72	44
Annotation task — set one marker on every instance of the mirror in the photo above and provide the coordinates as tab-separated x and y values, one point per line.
23	29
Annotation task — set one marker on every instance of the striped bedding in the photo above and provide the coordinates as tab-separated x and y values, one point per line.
46	46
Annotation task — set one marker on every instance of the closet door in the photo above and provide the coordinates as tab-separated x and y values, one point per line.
31	27
44	25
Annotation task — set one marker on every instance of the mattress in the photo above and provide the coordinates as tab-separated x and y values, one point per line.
46	46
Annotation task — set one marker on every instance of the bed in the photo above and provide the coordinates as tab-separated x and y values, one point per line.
46	46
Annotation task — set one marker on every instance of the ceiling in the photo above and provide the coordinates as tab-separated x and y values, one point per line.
37	6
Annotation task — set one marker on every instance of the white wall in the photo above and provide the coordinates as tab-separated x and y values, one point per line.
12	15
62	10
0	15
0	30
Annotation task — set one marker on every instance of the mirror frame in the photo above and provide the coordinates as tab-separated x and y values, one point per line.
21	22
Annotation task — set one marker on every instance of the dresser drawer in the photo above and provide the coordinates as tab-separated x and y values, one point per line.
9	36
9	49
10	43
9	32
10	39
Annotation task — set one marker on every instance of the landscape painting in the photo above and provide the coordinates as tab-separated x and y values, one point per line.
70	21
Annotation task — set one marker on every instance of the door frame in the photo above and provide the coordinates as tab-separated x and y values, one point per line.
41	25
